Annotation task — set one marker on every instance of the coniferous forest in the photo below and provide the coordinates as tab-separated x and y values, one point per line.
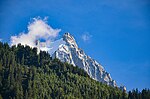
24	74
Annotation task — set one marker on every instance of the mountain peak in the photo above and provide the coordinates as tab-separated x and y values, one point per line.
69	52
67	35
69	39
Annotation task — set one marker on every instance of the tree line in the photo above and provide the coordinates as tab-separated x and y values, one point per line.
24	74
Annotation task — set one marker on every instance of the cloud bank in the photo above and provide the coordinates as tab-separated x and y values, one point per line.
37	29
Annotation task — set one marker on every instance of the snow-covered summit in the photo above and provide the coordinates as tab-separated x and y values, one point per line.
70	41
67	50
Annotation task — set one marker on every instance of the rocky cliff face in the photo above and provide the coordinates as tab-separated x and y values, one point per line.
69	52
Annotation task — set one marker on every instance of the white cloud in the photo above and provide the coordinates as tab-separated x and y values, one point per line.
38	29
86	37
1	39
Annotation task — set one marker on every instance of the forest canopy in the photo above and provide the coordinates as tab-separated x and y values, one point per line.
24	74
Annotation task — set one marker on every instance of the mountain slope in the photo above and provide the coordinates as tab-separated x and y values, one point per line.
24	74
69	52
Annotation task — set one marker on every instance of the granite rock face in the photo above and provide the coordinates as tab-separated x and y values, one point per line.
69	52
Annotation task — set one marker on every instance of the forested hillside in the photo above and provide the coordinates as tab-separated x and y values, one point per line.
26	75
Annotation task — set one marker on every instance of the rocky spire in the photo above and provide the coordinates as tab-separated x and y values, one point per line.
69	39
69	52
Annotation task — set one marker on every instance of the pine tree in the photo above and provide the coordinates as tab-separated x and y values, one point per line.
1	65
26	94
22	60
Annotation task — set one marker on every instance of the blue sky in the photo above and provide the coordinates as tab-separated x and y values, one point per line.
115	33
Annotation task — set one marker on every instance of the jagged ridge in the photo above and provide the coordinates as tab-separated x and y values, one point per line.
69	52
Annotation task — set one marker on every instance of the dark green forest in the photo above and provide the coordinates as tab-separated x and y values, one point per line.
24	74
